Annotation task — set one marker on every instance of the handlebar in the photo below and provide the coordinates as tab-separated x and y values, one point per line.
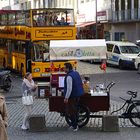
132	93
110	85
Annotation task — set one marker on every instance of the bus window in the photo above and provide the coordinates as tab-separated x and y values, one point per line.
4	19
2	44
11	19
41	51
27	18
70	17
22	47
53	17
38	18
16	46
20	18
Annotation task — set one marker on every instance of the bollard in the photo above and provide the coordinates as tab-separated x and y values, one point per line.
37	123
110	123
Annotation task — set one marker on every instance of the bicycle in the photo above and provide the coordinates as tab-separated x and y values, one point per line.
132	111
83	110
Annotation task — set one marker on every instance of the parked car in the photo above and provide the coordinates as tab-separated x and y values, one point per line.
122	53
137	63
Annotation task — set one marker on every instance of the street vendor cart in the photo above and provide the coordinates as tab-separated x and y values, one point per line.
93	101
89	103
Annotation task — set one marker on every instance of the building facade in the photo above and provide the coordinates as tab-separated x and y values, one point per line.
119	19
125	24
93	17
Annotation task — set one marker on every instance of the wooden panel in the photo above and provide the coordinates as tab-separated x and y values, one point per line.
94	103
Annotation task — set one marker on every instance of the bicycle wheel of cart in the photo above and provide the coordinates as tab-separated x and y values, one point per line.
134	112
83	116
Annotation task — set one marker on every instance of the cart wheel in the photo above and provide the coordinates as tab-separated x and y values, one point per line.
83	116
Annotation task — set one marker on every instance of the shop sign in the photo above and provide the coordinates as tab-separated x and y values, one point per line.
101	15
81	18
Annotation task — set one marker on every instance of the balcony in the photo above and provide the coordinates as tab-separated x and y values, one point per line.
126	15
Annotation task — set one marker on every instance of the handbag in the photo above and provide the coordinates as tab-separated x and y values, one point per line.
27	99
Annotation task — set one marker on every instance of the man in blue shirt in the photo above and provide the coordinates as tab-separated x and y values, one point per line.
73	89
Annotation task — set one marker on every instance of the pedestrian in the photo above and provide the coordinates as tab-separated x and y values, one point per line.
3	119
28	87
73	89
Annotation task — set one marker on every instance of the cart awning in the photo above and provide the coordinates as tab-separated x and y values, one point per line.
78	49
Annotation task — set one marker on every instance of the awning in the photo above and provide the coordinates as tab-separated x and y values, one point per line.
85	24
78	49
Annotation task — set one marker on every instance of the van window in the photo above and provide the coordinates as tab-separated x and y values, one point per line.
116	50
109	47
130	49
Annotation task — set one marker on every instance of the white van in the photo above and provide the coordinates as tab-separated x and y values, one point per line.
137	63
121	53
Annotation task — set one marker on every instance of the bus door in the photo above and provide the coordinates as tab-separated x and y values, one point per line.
10	49
29	51
40	59
22	57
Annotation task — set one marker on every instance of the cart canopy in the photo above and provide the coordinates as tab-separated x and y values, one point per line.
77	49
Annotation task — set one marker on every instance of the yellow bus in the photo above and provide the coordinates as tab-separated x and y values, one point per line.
25	37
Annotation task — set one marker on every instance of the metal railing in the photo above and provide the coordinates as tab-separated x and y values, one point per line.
126	15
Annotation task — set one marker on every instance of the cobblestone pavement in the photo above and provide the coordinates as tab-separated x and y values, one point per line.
53	119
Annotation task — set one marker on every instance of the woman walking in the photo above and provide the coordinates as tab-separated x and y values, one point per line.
3	119
28	87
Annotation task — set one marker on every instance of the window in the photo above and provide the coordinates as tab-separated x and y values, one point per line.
109	47
4	19
20	18
2	44
82	1
130	49
60	17
62	2
116	50
119	36
69	2
41	51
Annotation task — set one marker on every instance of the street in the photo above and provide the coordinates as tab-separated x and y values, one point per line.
56	126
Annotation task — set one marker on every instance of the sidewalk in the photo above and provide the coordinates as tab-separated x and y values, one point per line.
53	119
57	126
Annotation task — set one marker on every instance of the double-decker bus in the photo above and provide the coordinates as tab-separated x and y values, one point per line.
25	37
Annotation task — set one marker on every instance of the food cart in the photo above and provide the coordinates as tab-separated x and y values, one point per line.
89	102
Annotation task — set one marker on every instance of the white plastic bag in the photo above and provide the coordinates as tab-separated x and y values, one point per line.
27	100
